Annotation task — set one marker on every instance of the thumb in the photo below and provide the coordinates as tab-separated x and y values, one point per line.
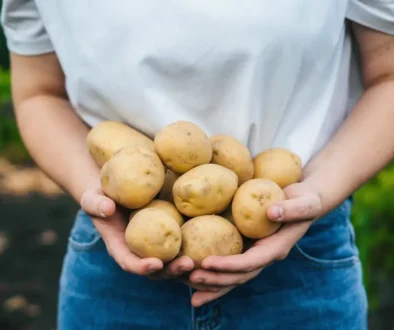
96	204
306	207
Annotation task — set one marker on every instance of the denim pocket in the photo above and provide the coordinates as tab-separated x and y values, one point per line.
84	236
330	241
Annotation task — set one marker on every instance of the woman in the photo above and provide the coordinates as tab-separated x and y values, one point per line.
268	73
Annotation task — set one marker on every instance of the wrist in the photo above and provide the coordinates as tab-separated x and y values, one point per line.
82	184
330	193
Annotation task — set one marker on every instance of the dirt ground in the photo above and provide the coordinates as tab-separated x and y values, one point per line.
33	238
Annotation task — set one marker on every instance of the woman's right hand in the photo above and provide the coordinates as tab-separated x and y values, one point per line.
110	222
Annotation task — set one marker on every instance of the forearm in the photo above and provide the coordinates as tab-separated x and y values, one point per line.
55	137
361	147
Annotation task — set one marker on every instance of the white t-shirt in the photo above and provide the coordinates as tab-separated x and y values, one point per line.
270	73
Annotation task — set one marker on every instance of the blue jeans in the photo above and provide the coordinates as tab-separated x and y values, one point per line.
318	286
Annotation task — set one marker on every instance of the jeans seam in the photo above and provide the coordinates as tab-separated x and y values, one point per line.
341	263
83	247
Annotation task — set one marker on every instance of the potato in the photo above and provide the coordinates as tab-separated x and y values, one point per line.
232	154
182	146
247	242
279	165
167	207
209	235
166	191
108	137
249	207
205	189
154	233
132	177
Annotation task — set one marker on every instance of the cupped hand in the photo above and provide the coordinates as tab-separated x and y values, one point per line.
301	207
111	221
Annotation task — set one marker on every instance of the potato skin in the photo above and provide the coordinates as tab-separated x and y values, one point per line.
182	146
132	177
167	207
232	154
209	235
154	233
247	242
249	207
205	189
108	137
279	165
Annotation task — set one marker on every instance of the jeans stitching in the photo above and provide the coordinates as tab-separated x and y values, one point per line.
83	246
345	262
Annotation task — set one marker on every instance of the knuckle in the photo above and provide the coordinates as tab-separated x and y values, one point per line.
84	202
303	210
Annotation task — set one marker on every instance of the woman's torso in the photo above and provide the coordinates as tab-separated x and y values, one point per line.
269	73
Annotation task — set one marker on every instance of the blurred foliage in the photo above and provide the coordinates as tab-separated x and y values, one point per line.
5	90
4	57
11	145
373	219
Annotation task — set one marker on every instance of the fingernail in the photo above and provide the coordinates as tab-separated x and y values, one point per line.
277	212
102	208
199	280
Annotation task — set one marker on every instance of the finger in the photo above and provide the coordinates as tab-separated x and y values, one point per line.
200	298
96	204
254	258
179	266
285	238
297	209
220	279
176	268
264	252
112	231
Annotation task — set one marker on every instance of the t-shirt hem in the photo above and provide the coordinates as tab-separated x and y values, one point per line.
30	48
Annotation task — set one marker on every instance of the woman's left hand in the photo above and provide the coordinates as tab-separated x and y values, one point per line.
300	209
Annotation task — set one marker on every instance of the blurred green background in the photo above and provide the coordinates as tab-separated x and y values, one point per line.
373	213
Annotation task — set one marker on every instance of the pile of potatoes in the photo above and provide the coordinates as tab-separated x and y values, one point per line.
190	194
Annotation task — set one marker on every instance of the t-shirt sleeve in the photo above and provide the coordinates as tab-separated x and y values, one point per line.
23	28
375	14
